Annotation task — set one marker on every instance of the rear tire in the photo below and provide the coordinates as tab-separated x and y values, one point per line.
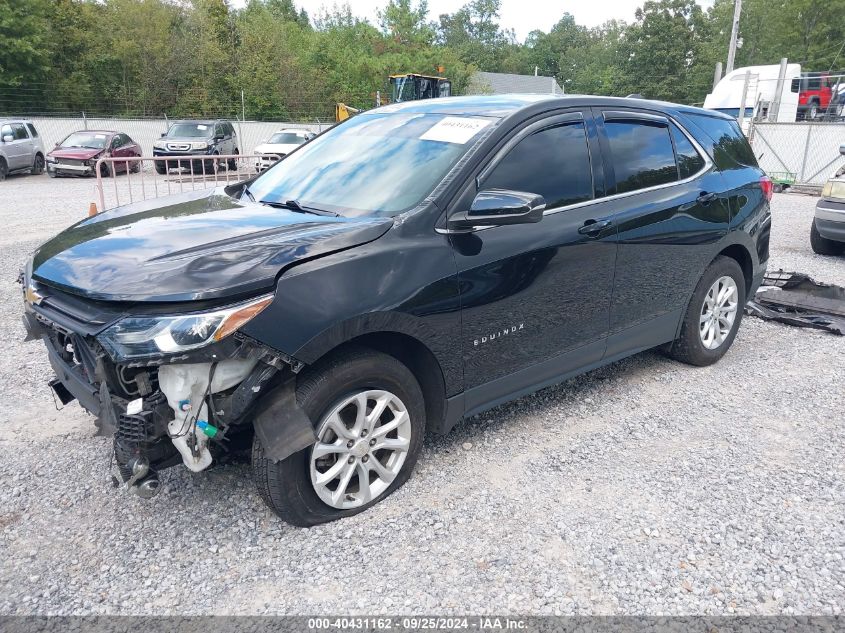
690	347
290	487
822	245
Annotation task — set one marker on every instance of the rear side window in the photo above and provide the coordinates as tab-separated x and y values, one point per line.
32	131
641	154
554	163
690	162
728	137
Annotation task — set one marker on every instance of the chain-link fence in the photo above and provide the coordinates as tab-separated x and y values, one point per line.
147	131
804	152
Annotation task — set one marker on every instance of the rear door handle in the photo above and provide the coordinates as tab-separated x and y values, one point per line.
592	228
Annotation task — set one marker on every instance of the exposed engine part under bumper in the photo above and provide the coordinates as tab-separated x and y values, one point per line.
797	299
193	409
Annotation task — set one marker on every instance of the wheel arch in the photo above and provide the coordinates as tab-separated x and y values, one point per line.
742	256
408	350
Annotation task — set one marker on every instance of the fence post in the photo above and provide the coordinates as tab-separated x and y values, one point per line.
84	121
741	117
806	151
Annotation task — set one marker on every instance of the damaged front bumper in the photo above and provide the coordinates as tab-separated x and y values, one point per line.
194	407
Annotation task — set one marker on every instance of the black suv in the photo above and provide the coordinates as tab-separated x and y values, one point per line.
187	140
414	265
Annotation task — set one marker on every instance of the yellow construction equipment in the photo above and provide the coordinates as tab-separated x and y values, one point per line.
407	87
411	87
343	112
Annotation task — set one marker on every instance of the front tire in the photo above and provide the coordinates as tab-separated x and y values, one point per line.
37	165
713	316
369	414
822	245
232	164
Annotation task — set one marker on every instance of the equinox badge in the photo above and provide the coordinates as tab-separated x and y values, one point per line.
513	329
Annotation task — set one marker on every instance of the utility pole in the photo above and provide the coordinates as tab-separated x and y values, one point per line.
774	108
734	32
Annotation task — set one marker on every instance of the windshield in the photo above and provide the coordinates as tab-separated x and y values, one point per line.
286	138
89	140
377	164
190	130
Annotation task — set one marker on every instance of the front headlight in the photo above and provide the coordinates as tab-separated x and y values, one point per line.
140	337
199	145
160	145
50	159
834	189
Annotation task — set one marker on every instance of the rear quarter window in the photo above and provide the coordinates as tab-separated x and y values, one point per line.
725	137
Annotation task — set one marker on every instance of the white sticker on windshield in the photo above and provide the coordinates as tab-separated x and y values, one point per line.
99	136
202	127
455	129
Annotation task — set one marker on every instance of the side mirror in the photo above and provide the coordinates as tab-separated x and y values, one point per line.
496	207
8	138
842	149
163	134
217	138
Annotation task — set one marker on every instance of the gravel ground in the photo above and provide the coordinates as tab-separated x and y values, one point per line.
646	487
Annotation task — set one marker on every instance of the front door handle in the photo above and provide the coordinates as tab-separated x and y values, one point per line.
592	228
704	197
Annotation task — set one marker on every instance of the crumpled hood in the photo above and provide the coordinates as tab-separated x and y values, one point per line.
192	246
76	153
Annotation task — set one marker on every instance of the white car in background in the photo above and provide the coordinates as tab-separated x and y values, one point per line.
282	143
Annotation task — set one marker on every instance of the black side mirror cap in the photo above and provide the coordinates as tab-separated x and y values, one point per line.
842	149
497	207
163	134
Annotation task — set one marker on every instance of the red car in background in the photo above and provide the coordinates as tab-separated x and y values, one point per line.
78	153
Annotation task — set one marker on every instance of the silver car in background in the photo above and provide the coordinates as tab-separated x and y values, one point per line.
827	234
20	148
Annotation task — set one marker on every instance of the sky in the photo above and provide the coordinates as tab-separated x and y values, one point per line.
523	16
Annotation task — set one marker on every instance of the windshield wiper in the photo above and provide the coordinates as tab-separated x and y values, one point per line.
294	205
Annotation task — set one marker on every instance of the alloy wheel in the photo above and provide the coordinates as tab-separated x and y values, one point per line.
718	313
362	444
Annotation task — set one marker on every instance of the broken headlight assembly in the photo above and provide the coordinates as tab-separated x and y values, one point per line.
144	337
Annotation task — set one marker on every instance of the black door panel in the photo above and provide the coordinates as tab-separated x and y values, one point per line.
532	292
670	210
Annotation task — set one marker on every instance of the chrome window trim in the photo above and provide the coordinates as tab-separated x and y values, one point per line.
708	164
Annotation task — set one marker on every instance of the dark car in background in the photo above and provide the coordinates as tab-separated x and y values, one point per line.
77	154
194	144
412	266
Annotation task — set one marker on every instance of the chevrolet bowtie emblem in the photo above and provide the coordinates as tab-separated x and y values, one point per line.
32	296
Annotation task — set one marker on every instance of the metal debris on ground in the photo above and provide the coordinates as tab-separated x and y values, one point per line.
797	299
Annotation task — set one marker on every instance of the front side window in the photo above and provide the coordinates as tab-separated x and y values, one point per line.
690	162
19	132
374	164
554	163
641	154
190	130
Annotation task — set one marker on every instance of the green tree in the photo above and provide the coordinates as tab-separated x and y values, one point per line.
23	58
